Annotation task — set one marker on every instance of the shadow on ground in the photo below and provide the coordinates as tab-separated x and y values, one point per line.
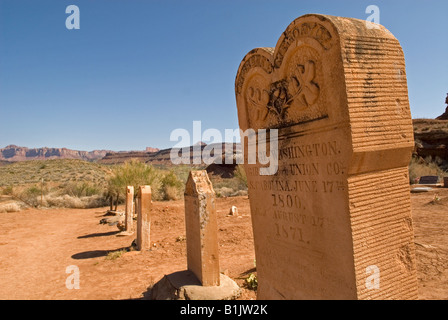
104	234
96	253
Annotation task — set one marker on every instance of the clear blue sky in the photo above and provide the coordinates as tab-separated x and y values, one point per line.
136	70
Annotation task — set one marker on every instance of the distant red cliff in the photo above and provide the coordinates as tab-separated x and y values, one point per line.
13	153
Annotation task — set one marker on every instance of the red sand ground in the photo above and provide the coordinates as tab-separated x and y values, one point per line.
36	247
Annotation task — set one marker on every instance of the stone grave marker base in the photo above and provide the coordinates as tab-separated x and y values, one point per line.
184	285
125	233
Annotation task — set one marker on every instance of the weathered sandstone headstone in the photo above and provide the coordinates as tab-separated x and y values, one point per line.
144	218
334	222
201	229
129	209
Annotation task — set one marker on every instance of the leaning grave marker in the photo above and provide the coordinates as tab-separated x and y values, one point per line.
339	202
202	280
201	228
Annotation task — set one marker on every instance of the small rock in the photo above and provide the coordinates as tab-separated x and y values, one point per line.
233	211
121	225
421	189
111	221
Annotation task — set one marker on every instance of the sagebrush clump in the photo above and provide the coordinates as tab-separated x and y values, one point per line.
419	167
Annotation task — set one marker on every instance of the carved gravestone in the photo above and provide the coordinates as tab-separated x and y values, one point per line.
202	280
144	218
336	214
127	226
201	229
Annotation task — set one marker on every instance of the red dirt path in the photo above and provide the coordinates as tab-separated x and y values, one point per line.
36	247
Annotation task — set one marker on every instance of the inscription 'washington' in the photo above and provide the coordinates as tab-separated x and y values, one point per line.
309	150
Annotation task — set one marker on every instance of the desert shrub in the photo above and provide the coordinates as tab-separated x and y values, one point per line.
229	187
171	186
252	282
7	191
171	193
10	207
64	201
224	192
133	173
67	201
33	191
81	189
240	174
428	167
30	195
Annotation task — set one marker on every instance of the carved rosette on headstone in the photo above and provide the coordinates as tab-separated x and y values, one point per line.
201	228
144	218
337	212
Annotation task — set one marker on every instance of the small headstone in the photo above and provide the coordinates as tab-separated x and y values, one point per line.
127	226
144	219
129	222
201	229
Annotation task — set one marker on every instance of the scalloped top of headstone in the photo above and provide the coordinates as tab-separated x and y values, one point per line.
328	71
